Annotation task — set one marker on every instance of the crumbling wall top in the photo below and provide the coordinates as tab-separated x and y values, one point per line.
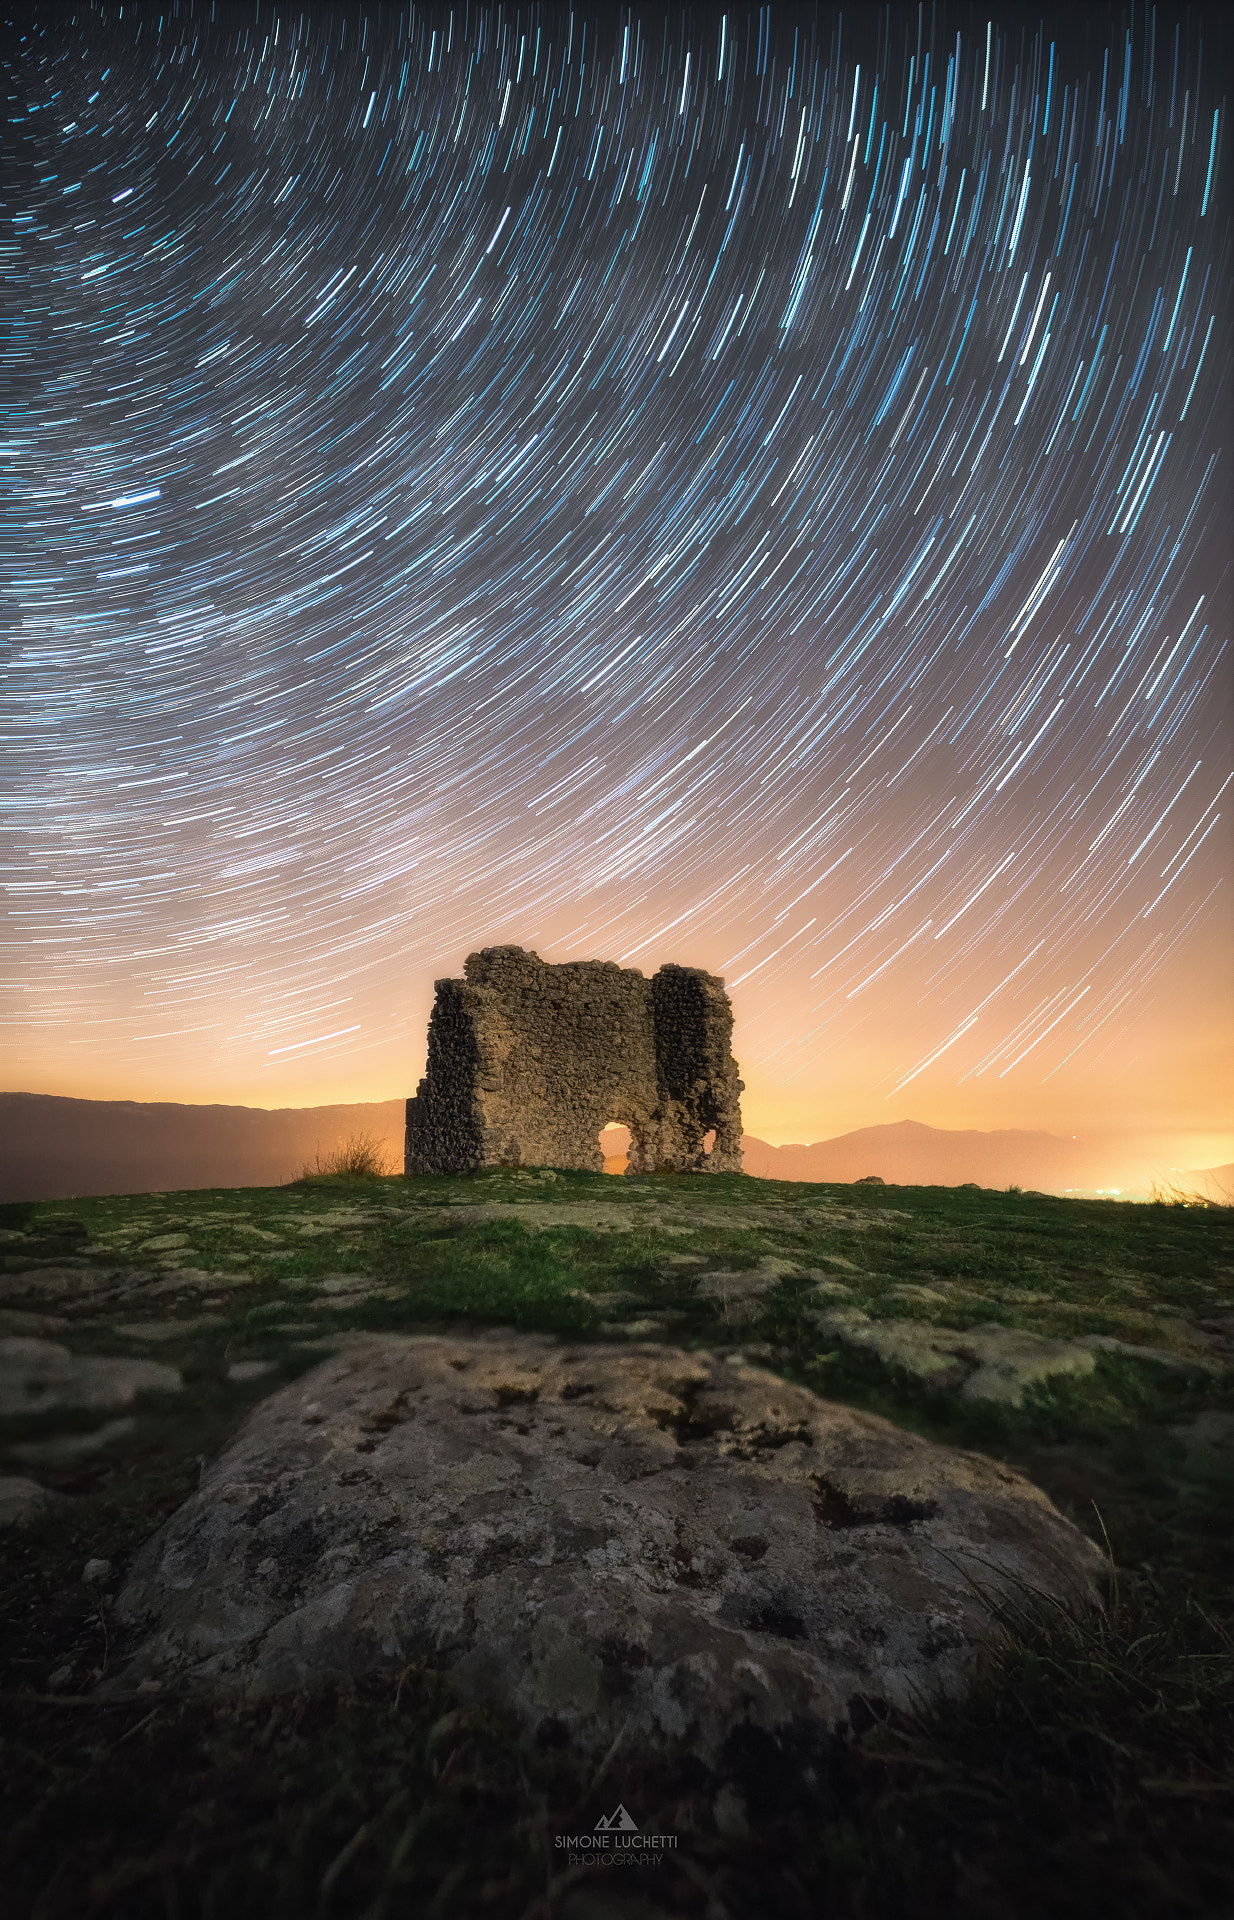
529	1060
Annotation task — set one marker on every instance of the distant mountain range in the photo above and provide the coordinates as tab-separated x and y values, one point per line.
1215	1183
55	1149
909	1154
52	1148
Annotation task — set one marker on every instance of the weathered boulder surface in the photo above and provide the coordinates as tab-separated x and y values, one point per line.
40	1376
989	1362
741	1296
598	1538
56	1282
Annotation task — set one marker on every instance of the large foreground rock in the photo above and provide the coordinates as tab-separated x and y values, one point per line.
597	1538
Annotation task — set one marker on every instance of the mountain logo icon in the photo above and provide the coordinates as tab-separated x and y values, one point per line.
619	1821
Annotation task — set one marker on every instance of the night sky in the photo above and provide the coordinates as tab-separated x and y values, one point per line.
747	490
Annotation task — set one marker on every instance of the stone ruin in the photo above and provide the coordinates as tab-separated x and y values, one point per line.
528	1061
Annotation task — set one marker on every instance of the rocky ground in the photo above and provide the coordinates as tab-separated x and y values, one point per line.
1088	1346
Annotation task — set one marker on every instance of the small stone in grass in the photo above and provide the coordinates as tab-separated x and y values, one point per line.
23	1500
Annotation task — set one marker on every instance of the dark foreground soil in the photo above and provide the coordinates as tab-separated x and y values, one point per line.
1089	1774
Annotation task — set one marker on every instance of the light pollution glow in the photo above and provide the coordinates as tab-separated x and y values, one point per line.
747	490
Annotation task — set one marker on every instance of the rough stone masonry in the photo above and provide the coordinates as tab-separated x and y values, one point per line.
528	1061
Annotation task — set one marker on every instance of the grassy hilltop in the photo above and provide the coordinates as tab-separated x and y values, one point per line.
1088	1774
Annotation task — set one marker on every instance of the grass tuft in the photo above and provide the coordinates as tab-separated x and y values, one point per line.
1168	1193
360	1157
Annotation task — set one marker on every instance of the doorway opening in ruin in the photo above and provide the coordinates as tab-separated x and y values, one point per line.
709	1140
614	1144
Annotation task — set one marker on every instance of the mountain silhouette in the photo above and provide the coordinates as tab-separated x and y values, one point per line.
908	1153
52	1148
55	1148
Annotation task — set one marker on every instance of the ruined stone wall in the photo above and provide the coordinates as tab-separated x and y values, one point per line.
527	1062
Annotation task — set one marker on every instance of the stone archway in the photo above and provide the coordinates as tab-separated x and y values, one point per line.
614	1141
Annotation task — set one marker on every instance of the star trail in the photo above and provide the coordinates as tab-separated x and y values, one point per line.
743	488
